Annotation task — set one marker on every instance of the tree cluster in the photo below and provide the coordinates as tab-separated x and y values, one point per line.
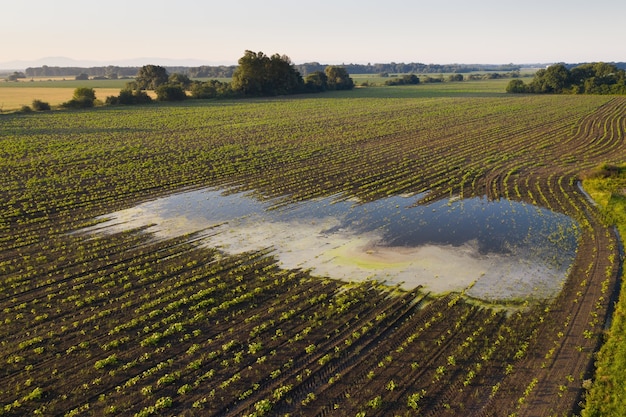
257	75
331	78
37	105
406	68
404	80
15	76
110	71
128	96
207	71
592	78
262	75
226	71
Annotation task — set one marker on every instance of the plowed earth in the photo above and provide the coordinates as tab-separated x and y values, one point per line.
127	324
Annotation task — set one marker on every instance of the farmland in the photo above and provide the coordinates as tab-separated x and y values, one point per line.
130	323
13	95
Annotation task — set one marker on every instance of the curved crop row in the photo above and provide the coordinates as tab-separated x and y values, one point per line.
127	324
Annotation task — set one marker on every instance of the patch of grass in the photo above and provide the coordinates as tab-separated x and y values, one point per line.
14	95
13	98
607	185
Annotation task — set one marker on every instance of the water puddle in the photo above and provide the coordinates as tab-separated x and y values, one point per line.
503	250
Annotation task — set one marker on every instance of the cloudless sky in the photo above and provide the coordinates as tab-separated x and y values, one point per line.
327	31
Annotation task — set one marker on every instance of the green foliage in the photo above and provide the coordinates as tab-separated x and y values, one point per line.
128	97
34	395
84	93
170	92
316	82
63	169
263	407
83	98
39	105
607	186
408	79
429	80
108	361
554	79
179	79
262	75
414	399
516	86
593	78
149	77
375	403
210	89
332	78
338	78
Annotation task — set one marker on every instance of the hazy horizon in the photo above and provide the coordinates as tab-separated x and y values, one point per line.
331	32
60	61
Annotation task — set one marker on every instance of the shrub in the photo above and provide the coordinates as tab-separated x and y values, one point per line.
409	79
39	105
82	103
83	97
516	86
112	100
127	97
170	92
84	93
141	97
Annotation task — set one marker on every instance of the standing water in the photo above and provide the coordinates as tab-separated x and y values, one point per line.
495	250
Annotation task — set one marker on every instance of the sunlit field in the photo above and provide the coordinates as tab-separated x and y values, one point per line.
53	90
13	98
383	251
57	90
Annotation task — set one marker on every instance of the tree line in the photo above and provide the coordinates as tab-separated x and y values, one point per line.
412	67
256	75
227	71
590	78
115	72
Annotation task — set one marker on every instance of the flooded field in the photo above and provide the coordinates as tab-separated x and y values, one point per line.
495	250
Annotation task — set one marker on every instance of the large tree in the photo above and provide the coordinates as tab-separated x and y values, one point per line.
150	77
338	78
262	75
554	79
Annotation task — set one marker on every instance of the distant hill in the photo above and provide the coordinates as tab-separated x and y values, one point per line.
73	63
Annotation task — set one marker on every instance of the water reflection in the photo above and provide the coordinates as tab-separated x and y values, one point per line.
501	249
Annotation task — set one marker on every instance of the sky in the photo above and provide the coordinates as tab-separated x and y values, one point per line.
325	31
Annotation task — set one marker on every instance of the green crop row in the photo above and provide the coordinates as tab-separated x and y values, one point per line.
608	188
124	323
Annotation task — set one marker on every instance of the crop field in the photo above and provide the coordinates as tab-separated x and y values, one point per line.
14	95
128	321
13	98
606	396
